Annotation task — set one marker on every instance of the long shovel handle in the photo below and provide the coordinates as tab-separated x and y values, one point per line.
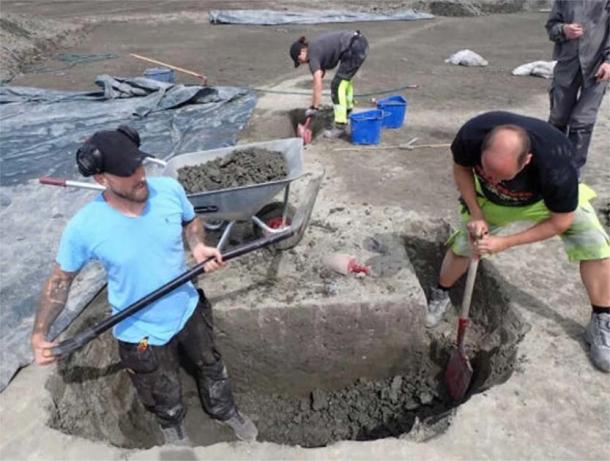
176	68
80	339
470	278
464	321
299	223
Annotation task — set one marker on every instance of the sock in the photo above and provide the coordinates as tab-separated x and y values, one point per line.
600	309
440	287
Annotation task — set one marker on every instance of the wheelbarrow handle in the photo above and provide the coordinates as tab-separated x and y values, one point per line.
153	159
52	181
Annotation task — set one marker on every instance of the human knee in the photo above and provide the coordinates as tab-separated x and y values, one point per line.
169	415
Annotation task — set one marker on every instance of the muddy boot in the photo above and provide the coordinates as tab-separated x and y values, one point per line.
338	131
597	335
437	305
176	435
243	426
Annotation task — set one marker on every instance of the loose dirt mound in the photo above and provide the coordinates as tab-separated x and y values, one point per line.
366	410
26	39
240	168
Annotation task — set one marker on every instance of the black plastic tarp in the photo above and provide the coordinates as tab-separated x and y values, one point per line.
40	131
271	17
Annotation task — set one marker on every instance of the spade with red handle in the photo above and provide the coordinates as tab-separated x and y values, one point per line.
459	371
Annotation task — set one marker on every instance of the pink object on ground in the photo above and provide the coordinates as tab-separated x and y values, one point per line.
345	264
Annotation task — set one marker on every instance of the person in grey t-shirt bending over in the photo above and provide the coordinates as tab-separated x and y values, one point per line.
581	32
346	48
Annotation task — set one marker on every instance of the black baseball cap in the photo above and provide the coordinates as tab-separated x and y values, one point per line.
295	51
121	155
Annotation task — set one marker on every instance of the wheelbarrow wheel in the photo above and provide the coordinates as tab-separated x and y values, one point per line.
271	215
213	226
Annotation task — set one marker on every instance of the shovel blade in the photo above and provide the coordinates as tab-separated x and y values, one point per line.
458	375
304	131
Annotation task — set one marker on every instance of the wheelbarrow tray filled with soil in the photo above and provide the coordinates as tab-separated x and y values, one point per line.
241	202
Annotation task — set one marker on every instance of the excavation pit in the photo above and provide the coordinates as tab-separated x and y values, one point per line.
322	121
315	357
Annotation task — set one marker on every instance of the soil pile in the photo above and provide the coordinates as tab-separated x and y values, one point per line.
27	39
240	168
365	410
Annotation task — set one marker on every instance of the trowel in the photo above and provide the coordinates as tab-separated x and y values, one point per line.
304	131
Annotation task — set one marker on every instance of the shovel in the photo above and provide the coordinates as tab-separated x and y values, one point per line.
459	371
304	131
299	223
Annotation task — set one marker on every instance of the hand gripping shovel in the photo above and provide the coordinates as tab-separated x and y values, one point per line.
459	370
299	223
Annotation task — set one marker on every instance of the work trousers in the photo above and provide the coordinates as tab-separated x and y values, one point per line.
341	88
574	108
154	370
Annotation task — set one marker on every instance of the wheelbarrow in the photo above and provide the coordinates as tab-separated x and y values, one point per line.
251	202
225	207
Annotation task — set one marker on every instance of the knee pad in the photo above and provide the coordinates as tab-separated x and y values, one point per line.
170	416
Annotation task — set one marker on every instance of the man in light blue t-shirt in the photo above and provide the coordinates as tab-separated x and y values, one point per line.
135	229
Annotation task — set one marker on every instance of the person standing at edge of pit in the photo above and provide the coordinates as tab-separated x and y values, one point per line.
510	168
581	32
346	48
135	229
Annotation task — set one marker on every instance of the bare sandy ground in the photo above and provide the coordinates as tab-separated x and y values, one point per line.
557	406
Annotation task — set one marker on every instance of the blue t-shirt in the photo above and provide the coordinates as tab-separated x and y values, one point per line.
140	254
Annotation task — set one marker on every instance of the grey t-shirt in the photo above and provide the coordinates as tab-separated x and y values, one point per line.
325	50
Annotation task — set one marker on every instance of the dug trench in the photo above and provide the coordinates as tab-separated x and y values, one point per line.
315	357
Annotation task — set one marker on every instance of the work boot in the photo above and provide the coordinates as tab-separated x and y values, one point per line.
243	426
597	335
437	305
335	132
176	435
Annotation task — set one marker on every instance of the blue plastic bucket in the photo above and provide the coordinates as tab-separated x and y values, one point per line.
395	107
366	126
161	74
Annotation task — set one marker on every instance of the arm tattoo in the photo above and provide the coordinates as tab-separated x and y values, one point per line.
53	299
194	233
